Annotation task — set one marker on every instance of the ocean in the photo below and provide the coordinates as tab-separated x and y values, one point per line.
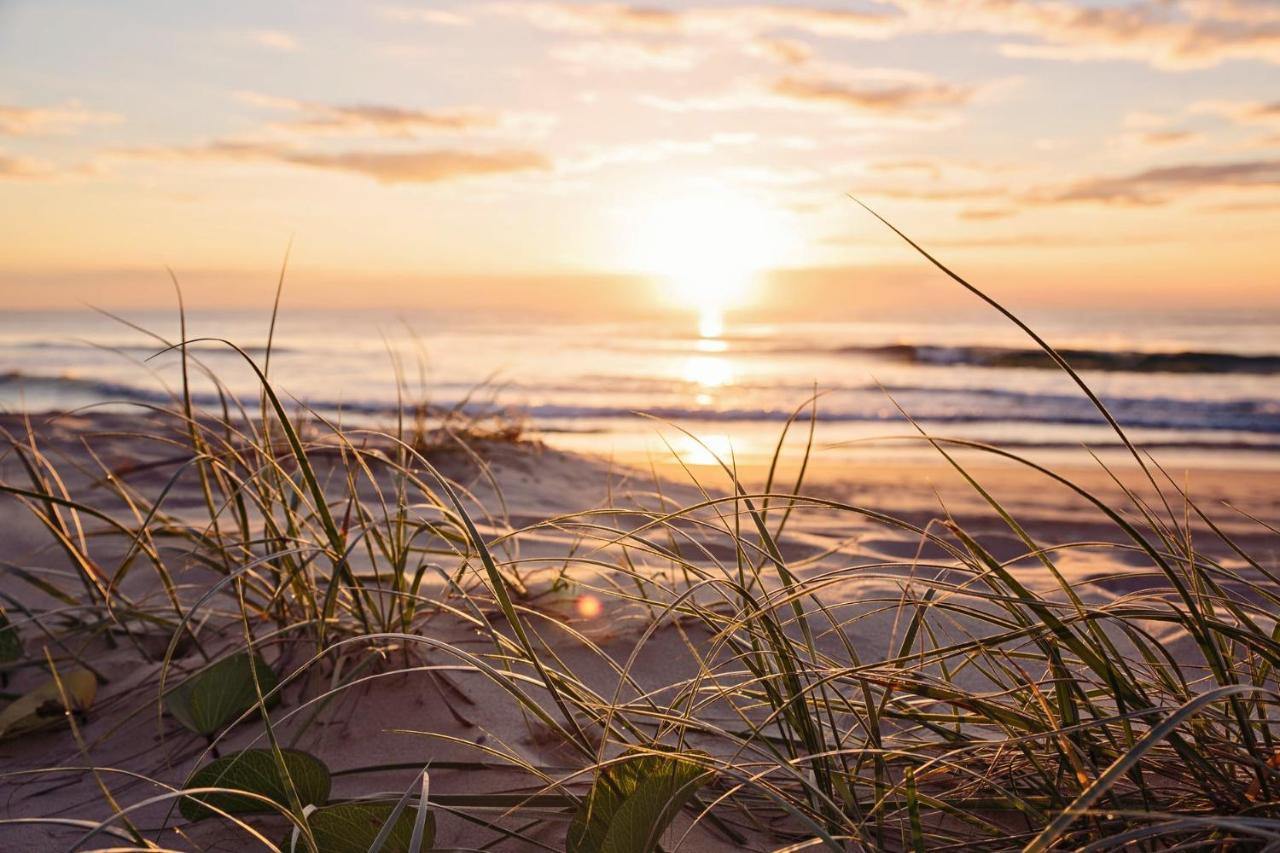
1192	389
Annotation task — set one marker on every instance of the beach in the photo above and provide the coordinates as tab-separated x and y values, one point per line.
594	426
574	532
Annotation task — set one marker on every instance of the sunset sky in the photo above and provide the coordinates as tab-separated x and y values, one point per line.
1127	150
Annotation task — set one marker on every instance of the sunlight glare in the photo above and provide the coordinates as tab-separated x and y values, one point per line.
708	249
710	321
706	450
708	371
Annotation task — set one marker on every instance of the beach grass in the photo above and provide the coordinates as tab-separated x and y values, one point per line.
321	562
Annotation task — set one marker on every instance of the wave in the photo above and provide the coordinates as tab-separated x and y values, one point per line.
867	404
1210	417
924	354
1118	361
196	348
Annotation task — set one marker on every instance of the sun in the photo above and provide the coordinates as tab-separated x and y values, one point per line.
707	249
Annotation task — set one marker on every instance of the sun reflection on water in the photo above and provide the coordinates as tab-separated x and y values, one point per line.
710	321
708	371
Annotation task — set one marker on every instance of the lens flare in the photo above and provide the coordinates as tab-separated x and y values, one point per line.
589	607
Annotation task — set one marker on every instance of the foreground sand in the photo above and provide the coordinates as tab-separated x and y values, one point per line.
415	718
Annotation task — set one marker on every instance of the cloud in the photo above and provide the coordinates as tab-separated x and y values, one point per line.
1248	113
847	23
1266	112
880	96
423	167
1161	138
728	20
386	167
780	50
377	119
715	103
436	17
627	55
944	194
1166	138
36	121
1168	34
24	168
1158	185
1162	33
1153	186
273	40
885	95
987	214
1250	11
593	18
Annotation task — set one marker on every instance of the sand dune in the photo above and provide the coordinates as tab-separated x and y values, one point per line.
425	705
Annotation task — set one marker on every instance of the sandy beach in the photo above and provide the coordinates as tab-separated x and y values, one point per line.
423	705
654	426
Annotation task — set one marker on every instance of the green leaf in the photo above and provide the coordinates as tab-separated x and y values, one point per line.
213	697
352	828
10	642
256	771
44	707
633	802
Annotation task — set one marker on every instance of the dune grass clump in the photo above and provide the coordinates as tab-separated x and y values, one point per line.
993	713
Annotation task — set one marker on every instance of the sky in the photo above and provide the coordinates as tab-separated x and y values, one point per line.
587	155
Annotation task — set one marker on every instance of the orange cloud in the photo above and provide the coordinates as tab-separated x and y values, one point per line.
872	96
424	167
1171	34
1168	138
1155	186
386	167
594	18
986	214
1253	11
18	168
624	18
781	50
1168	35
1242	112
36	121
379	119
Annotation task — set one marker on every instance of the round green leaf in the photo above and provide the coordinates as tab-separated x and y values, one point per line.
213	697
352	827
257	772
631	803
